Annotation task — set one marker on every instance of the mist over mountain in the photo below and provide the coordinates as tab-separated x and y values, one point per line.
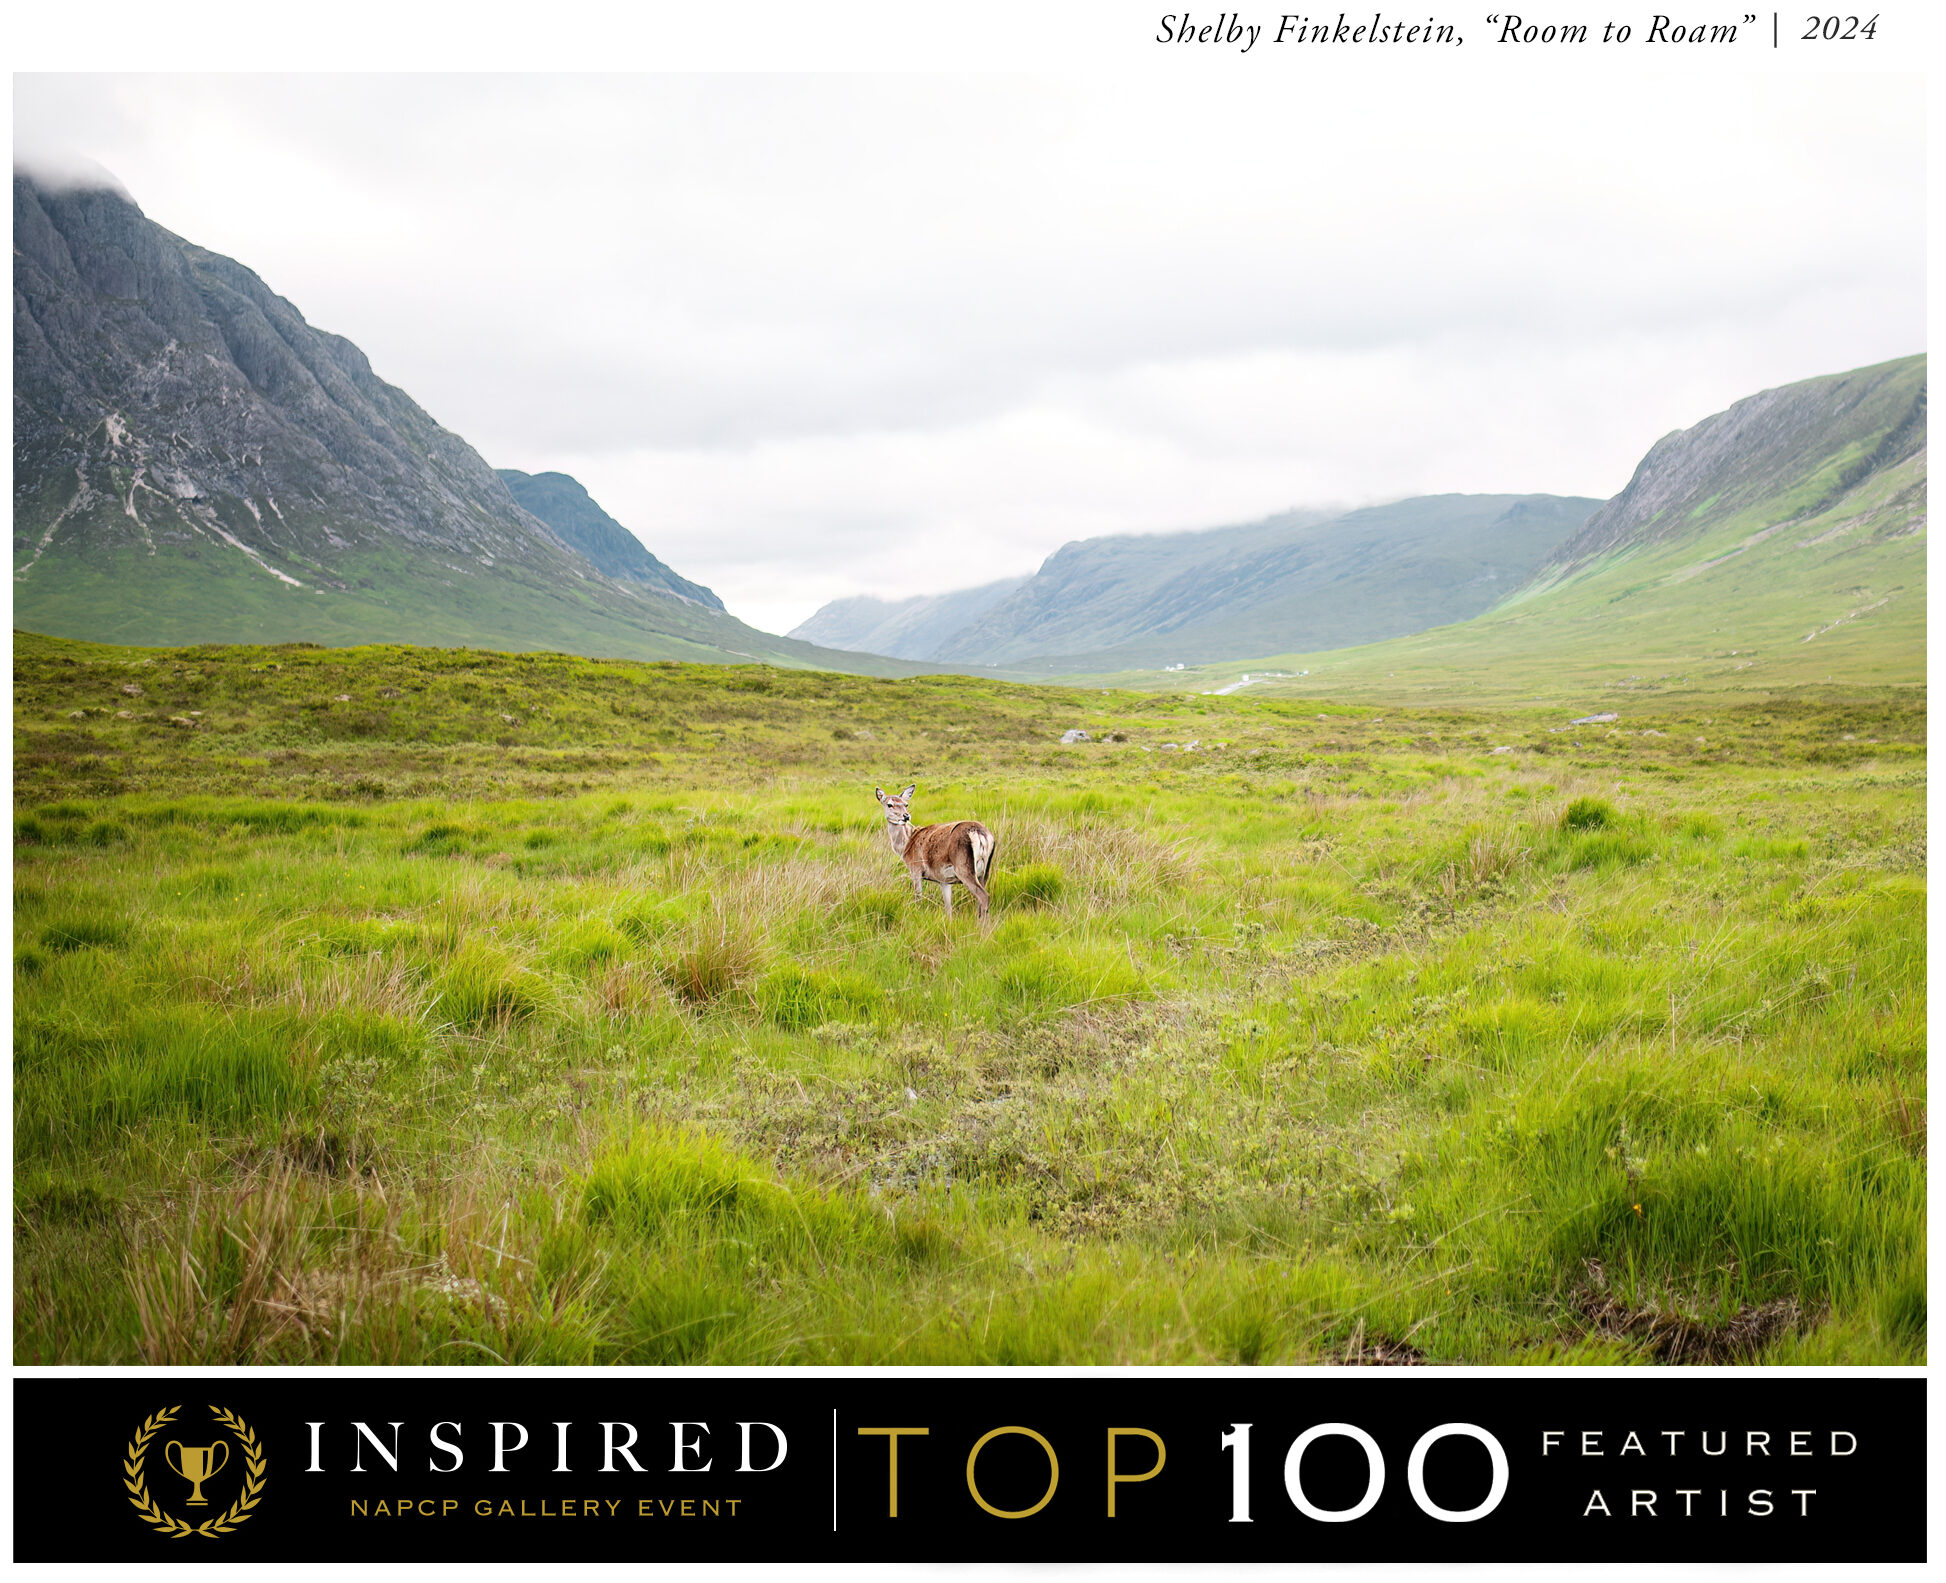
1778	544
194	462
1795	516
1299	580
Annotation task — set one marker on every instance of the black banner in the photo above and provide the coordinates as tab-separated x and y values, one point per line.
998	1467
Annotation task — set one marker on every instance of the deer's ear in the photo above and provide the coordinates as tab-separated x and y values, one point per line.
879	793
910	790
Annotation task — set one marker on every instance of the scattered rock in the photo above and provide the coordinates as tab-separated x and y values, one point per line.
341	698
183	721
508	718
1594	720
1076	735
1503	750
132	689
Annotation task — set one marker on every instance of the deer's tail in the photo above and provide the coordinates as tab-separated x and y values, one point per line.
983	846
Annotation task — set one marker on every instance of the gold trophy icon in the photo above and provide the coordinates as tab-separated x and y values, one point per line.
194	1464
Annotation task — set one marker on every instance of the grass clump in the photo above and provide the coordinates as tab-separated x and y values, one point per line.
711	961
798	998
1031	885
1589	813
481	985
76	934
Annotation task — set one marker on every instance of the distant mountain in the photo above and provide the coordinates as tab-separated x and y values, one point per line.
571	512
193	462
1305	579
1778	544
913	629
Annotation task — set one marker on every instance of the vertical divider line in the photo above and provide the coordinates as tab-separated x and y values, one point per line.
834	1470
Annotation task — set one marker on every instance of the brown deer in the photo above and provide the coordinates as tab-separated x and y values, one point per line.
947	854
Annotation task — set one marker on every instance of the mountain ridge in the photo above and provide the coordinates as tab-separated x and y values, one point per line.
910	628
565	505
1738	455
1779	544
195	462
1340	577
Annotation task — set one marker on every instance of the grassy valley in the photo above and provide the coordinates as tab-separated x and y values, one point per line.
403	1005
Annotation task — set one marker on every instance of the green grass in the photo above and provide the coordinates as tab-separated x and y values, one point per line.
127	591
614	1034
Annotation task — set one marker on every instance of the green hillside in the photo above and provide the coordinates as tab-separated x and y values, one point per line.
190	596
1776	548
1304	579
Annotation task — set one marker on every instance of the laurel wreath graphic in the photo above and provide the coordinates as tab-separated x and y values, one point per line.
210	1527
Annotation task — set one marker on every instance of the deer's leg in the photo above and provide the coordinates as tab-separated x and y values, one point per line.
980	897
947	891
918	886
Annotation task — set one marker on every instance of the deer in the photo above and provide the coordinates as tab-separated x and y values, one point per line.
960	853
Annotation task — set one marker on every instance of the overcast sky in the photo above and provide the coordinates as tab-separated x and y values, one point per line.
817	336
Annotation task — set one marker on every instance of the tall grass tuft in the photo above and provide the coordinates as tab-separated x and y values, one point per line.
1589	813
1032	885
713	959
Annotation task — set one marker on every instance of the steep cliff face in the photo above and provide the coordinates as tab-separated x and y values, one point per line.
193	462
163	395
1786	454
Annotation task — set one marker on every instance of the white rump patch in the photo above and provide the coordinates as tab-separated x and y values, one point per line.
982	843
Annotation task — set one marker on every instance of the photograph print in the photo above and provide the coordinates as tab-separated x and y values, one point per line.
968	720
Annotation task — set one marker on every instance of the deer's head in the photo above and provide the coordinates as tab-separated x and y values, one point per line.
898	808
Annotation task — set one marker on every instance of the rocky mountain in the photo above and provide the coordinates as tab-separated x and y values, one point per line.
195	462
571	512
1787	455
1300	580
914	629
1777	545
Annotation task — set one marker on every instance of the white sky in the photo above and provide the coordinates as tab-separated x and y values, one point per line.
816	336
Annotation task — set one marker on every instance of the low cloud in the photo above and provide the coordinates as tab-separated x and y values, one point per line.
815	335
58	169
